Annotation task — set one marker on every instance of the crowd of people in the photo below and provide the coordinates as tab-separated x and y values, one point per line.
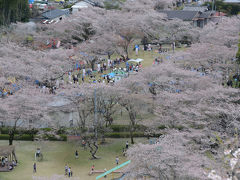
8	164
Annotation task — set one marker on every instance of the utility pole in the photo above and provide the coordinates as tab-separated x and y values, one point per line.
95	114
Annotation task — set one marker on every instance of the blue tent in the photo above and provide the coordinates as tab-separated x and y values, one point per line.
30	1
111	75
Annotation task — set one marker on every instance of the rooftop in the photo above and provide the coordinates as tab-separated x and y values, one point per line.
51	14
183	15
6	150
187	15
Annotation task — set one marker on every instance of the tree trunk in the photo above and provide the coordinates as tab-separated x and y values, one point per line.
92	65
11	137
131	136
109	55
92	151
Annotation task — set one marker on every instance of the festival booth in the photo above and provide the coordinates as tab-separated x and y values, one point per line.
138	60
7	156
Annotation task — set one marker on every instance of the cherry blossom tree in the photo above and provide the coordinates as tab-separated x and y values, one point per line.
25	109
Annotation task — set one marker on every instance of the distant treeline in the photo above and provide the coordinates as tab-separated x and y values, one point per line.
228	8
13	11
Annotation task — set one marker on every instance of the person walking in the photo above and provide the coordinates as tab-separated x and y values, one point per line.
34	167
69	172
127	145
117	160
173	47
136	49
76	154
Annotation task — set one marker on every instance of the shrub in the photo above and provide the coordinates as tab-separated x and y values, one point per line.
124	134
62	130
46	129
119	128
4	130
178	127
23	137
63	137
4	136
51	137
126	128
111	5
162	126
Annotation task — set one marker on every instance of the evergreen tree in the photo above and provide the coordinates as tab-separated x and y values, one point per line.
13	11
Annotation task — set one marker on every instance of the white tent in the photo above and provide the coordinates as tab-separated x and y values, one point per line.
138	60
78	6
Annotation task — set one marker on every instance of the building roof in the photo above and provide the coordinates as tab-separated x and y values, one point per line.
188	15
51	14
183	15
206	14
195	8
6	150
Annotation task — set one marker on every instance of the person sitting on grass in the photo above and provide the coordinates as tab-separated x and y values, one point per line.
10	167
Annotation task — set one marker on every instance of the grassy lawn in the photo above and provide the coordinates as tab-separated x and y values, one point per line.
57	154
148	57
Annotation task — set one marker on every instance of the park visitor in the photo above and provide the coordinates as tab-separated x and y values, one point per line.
69	172
127	145
34	167
66	169
105	170
93	167
117	160
76	154
10	167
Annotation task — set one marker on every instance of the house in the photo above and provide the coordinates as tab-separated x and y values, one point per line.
195	8
78	6
56	14
198	18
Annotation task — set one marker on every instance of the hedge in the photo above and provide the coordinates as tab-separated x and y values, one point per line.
123	134
27	137
51	137
23	137
5	130
4	136
127	135
126	128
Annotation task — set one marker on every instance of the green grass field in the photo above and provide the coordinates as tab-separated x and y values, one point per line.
147	56
57	154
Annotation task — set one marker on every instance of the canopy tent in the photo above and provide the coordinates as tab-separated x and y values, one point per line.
6	151
138	60
111	75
